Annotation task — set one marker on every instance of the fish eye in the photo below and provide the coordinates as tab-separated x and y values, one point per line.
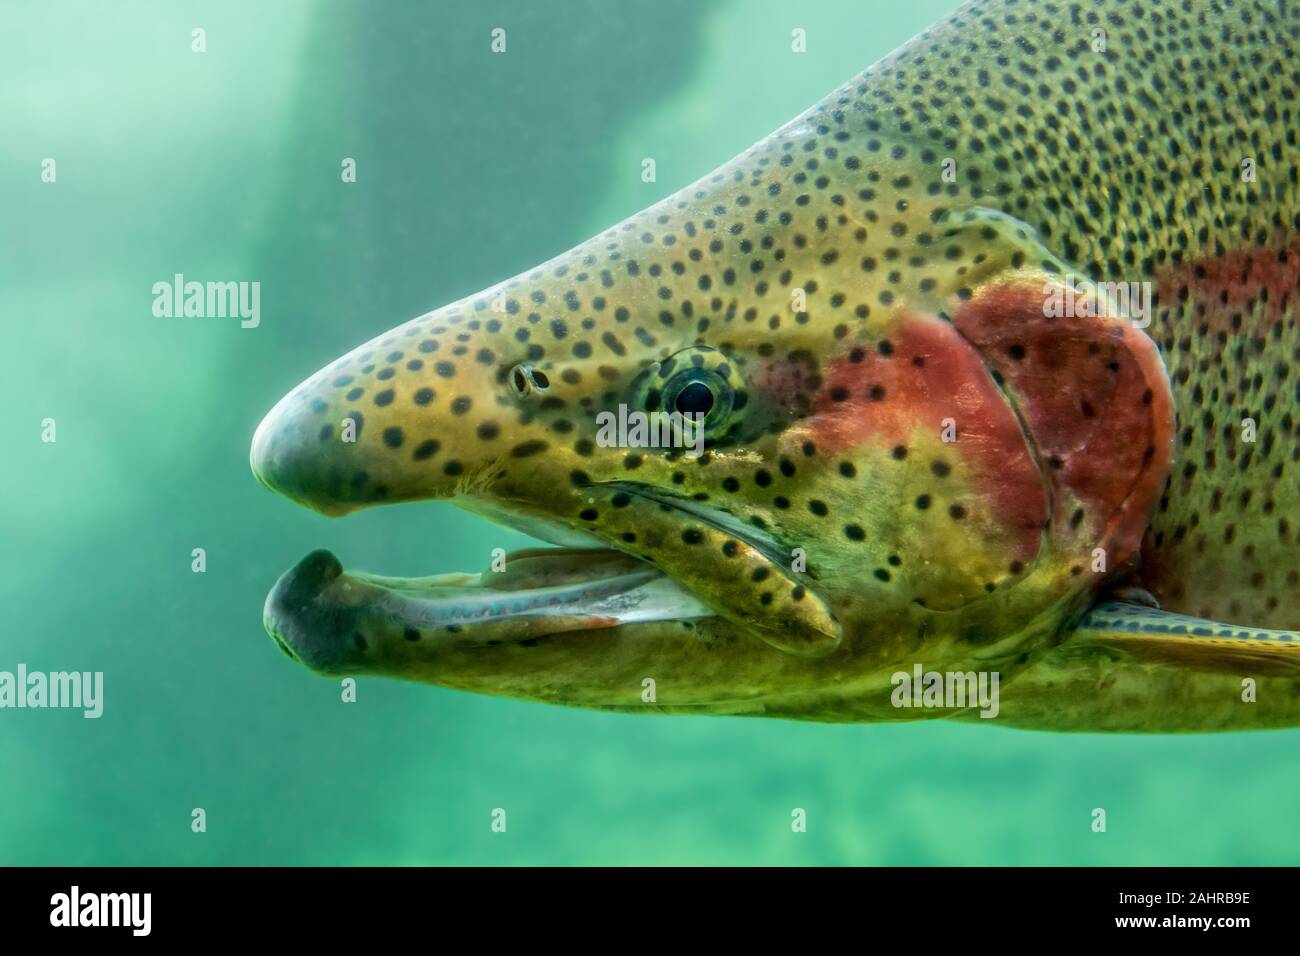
698	391
524	379
695	398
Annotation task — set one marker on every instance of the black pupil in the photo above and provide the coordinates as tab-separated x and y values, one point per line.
695	398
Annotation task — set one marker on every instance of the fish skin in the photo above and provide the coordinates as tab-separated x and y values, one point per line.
1110	157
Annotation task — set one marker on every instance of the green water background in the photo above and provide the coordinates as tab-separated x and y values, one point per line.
471	167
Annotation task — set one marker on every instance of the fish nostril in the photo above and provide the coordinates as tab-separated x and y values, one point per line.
525	380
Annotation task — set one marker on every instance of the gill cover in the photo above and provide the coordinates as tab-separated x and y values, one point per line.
1021	452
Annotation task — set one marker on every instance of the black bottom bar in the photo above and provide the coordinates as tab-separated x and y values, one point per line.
335	905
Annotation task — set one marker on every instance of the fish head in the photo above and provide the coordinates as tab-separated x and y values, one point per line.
785	433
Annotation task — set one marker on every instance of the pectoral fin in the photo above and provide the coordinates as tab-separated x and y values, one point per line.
1152	635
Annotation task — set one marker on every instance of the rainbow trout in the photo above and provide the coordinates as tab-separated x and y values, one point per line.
967	394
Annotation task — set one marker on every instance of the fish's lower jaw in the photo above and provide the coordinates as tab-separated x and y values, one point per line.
333	621
578	627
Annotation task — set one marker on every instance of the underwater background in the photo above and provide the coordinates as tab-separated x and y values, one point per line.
471	167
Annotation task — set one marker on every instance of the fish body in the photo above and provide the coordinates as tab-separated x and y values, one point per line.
999	331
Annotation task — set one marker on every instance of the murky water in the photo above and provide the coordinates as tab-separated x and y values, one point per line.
225	165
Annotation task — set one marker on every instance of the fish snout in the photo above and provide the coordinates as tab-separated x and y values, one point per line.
381	426
293	454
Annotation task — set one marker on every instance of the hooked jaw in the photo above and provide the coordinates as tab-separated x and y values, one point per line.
579	625
318	447
383	425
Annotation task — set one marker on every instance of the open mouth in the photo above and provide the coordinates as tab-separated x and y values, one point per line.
636	554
